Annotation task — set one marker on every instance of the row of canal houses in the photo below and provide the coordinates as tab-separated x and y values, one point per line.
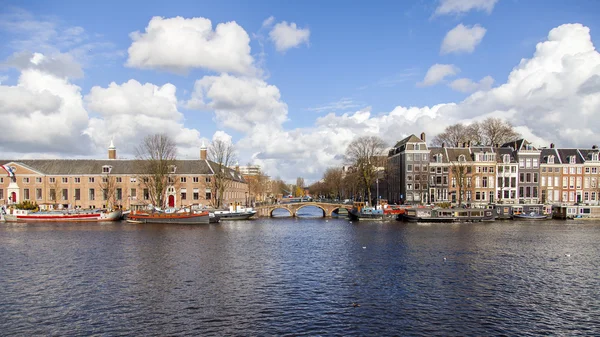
511	173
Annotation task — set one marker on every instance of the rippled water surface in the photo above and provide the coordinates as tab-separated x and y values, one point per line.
300	277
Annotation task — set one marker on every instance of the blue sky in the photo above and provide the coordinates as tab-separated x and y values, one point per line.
359	56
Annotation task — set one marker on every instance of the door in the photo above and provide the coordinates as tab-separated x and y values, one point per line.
14	197
171	201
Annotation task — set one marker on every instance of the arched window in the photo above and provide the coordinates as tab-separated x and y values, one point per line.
461	158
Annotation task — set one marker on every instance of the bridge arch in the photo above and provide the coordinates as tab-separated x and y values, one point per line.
312	205
292	213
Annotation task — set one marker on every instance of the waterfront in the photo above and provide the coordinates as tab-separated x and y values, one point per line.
302	277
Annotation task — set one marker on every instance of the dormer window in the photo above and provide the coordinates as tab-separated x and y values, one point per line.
438	158
461	158
106	169
571	159
550	159
595	156
172	168
506	159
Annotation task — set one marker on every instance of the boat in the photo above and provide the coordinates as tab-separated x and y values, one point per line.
62	216
530	216
428	214
361	212
187	218
235	213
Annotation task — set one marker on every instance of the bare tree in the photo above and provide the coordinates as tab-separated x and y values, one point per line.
257	186
497	131
453	135
221	153
108	185
332	179
363	154
156	163
459	171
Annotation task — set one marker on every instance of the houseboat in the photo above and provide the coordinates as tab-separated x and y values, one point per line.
508	212
19	215
569	212
382	212
447	215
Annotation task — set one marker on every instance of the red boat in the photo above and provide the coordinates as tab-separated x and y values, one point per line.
60	216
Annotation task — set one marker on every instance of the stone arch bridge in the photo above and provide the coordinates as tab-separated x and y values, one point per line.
293	208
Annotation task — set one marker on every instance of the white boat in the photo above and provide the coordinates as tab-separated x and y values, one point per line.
235	213
530	216
62	216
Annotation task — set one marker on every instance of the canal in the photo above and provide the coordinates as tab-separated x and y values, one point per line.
300	276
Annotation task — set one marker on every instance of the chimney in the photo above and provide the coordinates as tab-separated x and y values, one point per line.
423	136
203	151
237	166
443	145
551	145
112	150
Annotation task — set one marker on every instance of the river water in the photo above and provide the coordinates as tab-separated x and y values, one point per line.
309	276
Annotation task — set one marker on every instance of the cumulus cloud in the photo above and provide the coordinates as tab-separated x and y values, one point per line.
467	85
239	103
42	113
447	7
437	73
59	64
130	111
462	39
554	96
288	35
179	44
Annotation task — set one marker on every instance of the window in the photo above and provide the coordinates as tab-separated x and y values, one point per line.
594	170
146	194
91	194
119	179
445	169
461	158
77	180
196	194
1	181
417	168
468	181
208	196
145	179
26	180
528	163
409	157
565	182
195	179
477	182
506	159
417	157
432	169
65	194
1	194
171	180
445	180
133	180
52	194
38	180
535	177
133	193
522	162
409	168
106	169
424	155
571	159
484	182
587	170
453	182
183	195
77	194
521	177
119	194
543	180
594	156
409	178
500	180
183	179
571	182
172	168
105	194
409	186
208	180
535	163
549	181
38	194
91	179
105	179
65	180
579	170
26	193
578	182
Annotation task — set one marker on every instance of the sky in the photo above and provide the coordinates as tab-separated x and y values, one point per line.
291	83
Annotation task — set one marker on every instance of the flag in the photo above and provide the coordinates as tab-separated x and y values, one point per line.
9	170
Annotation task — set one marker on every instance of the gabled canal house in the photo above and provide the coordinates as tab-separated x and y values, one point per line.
82	183
506	174
591	175
528	158
460	174
572	175
439	174
484	175
550	175
408	162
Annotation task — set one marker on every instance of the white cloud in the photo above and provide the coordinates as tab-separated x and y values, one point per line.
130	111
42	113
462	39
437	73
59	64
467	85
288	35
462	6
268	22
341	104
239	103
554	96
179	44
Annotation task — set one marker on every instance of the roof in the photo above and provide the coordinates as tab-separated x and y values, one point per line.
502	151
454	152
438	151
565	154
119	166
547	153
520	145
409	139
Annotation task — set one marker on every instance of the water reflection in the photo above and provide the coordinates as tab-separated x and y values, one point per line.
300	276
